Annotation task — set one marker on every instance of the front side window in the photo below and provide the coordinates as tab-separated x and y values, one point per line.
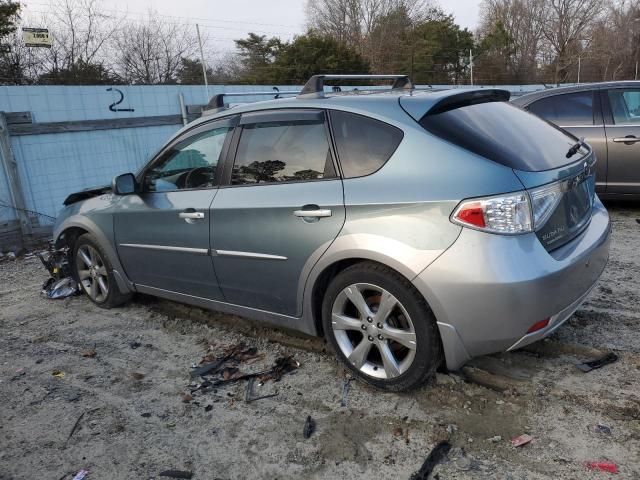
570	109
282	151
364	144
188	164
625	106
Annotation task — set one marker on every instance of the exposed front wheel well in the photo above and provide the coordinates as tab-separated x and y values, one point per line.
69	236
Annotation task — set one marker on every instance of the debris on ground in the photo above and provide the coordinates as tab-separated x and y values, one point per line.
57	289
58	374
598	362
61	284
436	455
89	353
345	391
602	428
309	427
495	439
81	475
135	345
521	440
250	395
224	369
603	466
176	474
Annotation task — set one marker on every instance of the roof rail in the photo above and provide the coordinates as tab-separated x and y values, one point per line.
217	101
314	88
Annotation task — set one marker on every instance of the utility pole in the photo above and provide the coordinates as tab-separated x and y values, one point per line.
636	77
204	66
578	69
471	64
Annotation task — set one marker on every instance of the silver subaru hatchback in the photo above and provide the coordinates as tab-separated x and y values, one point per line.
413	229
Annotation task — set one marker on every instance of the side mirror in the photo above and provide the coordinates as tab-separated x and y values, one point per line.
124	184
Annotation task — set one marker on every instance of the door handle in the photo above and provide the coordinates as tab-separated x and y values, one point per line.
191	217
631	139
318	213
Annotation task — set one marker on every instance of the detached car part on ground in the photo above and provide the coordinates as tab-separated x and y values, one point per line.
409	228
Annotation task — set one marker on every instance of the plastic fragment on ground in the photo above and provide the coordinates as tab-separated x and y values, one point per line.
603	466
81	475
521	440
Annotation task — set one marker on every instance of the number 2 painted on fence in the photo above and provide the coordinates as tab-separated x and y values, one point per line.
112	107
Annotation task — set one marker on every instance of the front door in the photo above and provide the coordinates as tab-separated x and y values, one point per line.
162	233
281	209
623	140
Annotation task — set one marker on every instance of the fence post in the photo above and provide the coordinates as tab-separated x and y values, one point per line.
10	168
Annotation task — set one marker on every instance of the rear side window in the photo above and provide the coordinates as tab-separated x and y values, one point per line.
505	134
570	109
364	144
625	106
283	151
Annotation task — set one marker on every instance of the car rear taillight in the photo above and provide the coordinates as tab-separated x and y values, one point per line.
538	325
510	214
507	214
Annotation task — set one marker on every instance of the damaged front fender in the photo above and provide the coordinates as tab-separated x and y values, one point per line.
80	218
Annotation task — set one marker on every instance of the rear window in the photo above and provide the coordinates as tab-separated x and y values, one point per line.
364	144
505	134
570	109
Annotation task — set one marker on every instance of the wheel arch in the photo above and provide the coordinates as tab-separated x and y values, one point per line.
323	277
73	227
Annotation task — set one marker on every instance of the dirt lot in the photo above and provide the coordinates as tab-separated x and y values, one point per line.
121	413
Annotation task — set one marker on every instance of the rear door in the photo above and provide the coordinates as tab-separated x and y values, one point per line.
281	208
162	233
622	113
579	113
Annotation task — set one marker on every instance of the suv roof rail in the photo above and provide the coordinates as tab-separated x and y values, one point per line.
314	88
217	101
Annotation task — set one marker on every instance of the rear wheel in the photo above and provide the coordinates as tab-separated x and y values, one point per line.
95	274
381	327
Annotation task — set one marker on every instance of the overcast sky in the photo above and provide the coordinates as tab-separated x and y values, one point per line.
225	20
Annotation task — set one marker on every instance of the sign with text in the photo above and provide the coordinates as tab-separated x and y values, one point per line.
36	37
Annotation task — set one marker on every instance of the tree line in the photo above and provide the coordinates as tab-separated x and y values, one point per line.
516	42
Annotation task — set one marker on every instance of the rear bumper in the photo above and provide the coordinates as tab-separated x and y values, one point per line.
488	290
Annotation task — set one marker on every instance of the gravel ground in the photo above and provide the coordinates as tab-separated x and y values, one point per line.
121	413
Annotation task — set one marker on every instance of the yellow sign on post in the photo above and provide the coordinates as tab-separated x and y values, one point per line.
36	37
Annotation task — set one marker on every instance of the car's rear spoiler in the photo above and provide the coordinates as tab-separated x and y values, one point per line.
442	101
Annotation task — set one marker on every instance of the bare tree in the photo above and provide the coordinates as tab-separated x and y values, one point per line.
522	22
81	34
151	51
352	21
565	26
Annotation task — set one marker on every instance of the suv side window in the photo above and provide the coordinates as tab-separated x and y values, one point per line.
364	145
283	150
188	164
570	109
625	106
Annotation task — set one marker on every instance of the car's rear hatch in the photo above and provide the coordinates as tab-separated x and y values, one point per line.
556	169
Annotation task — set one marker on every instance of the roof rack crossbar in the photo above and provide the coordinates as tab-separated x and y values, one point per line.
314	88
217	101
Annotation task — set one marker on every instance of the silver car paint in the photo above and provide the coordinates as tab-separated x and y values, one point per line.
406	228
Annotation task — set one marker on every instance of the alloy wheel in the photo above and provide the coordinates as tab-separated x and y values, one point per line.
373	330
92	273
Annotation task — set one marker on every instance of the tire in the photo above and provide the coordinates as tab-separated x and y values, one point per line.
400	348
94	273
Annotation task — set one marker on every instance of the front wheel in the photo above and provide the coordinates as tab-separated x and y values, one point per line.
95	274
381	327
